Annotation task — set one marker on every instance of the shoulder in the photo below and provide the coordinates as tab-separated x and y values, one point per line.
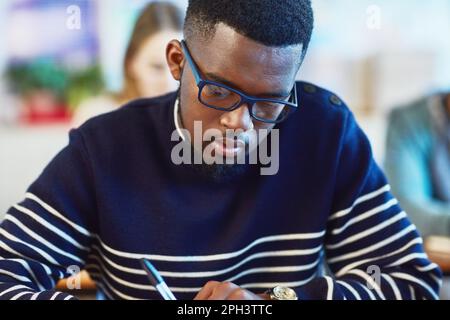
319	104
93	107
318	109
143	109
320	123
133	119
414	115
310	93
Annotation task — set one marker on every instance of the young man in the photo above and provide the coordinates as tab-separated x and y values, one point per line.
119	192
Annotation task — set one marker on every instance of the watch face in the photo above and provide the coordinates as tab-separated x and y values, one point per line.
284	293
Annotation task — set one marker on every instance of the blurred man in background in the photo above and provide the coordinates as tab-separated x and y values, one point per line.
418	162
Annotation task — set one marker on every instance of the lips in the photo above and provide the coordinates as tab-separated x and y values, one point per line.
227	147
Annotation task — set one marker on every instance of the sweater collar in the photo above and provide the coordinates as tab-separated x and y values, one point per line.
177	118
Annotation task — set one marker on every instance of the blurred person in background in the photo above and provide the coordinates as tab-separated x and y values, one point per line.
418	162
145	69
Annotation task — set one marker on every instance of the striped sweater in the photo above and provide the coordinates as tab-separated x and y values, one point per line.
113	196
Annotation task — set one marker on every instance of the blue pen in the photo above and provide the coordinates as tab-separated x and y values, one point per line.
156	280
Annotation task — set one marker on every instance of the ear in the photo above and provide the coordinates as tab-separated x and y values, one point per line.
175	59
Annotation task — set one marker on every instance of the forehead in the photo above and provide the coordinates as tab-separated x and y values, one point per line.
242	61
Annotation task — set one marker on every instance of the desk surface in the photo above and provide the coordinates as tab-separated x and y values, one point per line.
438	250
86	283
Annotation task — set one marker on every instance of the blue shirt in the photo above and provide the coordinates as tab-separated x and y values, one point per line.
113	196
412	144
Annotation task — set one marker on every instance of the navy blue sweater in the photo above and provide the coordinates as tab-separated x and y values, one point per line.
113	196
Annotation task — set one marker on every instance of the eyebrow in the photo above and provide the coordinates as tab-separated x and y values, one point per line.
214	77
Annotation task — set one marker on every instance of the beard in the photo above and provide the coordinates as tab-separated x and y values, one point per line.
215	172
220	173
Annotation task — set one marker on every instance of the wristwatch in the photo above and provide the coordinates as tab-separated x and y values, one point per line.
282	293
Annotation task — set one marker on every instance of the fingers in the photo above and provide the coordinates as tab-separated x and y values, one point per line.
206	291
242	294
223	290
214	290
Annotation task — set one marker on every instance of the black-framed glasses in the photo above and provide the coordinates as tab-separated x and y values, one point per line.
224	98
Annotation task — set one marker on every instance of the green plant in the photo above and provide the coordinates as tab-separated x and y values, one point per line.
69	86
41	74
84	84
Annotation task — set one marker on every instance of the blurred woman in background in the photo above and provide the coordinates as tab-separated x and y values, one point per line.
145	70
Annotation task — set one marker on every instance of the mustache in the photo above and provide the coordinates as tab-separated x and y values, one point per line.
236	136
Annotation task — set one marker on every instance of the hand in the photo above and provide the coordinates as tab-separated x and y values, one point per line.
214	290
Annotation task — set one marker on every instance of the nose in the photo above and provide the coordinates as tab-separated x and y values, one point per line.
239	119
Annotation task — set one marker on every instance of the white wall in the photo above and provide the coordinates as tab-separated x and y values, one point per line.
24	153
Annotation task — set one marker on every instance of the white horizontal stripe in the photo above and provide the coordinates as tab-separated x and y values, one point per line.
409	277
50	227
365	215
409	257
15	276
274	270
300	236
196	289
5	247
16	287
27	267
21	294
38	250
265	285
53	297
281	253
222	256
119	280
35	296
41	239
68	298
369	280
368	232
393	285
366	197
250	271
349	288
428	267
51	210
169	274
116	291
370	293
373	247
361	262
436	279
330	287
412	293
115	265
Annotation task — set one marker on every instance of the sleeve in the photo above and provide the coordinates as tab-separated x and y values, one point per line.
46	236
407	168
372	250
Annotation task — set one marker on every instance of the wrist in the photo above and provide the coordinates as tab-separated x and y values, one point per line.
281	293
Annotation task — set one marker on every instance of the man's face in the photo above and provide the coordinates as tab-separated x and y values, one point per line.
239	62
